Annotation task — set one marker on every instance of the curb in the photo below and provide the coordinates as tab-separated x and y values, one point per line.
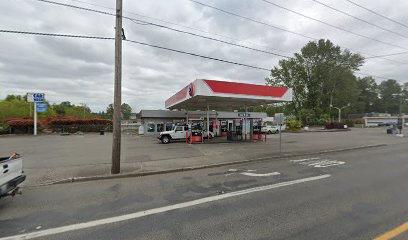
148	173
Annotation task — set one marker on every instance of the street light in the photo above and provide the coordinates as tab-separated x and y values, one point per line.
348	105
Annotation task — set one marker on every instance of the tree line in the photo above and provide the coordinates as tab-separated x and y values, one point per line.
323	76
16	106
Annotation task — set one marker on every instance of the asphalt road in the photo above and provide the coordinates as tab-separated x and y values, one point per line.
358	194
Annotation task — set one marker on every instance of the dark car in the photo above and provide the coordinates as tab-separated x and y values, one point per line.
388	124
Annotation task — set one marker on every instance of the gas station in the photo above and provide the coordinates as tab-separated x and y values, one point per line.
207	97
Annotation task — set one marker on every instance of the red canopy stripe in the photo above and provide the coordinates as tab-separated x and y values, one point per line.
245	89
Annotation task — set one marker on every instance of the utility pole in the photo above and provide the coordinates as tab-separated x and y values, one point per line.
116	145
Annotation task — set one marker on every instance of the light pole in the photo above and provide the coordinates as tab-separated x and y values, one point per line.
348	105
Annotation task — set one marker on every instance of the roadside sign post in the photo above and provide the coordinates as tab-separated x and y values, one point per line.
35	119
37	98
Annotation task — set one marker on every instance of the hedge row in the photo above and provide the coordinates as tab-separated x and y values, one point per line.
59	124
77	121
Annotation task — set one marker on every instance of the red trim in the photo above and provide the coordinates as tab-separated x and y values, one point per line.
176	97
245	89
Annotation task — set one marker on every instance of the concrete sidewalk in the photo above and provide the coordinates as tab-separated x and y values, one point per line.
48	158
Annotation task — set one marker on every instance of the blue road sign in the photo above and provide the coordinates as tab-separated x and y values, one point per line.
41	107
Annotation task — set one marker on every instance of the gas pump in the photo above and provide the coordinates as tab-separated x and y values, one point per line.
257	126
224	128
196	131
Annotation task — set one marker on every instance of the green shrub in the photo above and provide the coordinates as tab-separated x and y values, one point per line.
349	123
294	125
4	129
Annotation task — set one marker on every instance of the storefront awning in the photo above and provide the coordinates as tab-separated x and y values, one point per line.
222	95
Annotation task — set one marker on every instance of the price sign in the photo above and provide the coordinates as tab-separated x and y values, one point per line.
35	97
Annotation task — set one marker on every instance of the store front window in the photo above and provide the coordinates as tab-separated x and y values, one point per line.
160	127
150	127
169	126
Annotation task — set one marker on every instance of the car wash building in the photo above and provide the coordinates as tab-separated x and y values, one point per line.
216	106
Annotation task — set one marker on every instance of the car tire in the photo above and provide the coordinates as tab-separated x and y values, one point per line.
165	139
277	131
269	132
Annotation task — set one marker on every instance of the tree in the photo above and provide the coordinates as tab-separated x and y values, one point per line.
15	106
320	75
390	100
109	111
126	110
368	99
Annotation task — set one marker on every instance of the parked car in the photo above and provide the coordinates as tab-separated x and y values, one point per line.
177	133
11	174
272	128
388	124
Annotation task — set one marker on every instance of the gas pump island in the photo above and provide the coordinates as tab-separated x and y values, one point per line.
202	95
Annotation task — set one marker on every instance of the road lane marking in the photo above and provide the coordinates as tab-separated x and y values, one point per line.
318	162
302	160
95	223
394	232
252	174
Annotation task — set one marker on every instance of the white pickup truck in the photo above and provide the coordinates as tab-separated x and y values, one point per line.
272	128
179	132
11	174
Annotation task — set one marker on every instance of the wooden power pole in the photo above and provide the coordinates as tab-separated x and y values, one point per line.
116	145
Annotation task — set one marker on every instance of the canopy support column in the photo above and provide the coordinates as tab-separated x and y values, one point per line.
208	122
246	119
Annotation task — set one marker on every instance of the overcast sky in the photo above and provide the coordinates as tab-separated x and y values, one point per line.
81	70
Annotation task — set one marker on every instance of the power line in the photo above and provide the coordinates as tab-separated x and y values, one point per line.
154	46
282	29
182	26
360	19
55	34
387	55
169	28
209	38
370	75
198	55
253	20
107	13
233	14
137	42
334	26
378	14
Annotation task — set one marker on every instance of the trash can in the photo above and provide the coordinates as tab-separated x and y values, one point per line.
102	132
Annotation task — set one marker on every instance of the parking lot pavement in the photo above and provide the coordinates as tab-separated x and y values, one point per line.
53	157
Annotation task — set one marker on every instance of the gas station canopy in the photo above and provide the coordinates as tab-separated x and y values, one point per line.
222	95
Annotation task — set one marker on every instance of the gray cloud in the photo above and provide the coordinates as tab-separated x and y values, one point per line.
81	71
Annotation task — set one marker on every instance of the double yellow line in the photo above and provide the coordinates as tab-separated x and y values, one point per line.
393	233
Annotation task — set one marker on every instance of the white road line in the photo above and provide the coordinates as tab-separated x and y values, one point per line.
329	165
95	223
252	174
318	162
306	159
